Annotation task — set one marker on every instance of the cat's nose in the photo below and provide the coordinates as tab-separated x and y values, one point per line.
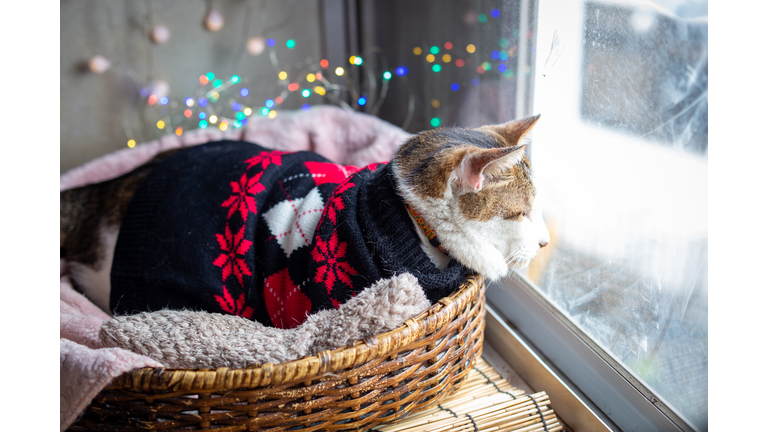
544	243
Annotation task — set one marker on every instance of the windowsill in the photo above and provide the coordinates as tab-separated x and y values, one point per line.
517	361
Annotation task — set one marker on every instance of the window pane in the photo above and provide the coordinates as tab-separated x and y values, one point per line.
620	155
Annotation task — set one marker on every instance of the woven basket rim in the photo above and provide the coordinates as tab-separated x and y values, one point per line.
309	367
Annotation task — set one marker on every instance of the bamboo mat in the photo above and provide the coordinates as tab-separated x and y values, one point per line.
485	402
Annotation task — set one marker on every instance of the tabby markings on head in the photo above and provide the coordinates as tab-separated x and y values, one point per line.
429	161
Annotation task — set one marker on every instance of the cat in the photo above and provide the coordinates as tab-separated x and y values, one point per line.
273	236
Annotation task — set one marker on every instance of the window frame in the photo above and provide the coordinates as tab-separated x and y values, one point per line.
620	397
591	389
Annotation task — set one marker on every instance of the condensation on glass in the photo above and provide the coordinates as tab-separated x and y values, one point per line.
620	156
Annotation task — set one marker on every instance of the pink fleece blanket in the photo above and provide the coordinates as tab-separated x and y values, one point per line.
343	137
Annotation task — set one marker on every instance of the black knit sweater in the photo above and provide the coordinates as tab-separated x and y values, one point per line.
232	227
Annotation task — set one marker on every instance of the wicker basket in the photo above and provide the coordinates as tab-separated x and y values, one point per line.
380	379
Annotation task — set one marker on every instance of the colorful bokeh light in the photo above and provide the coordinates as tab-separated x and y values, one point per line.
270	42
362	100
455	87
290	43
387	75
448	45
244	92
417	51
435	122
339	71
471	48
436	68
401	71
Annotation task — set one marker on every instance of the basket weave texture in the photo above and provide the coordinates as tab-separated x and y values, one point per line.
376	380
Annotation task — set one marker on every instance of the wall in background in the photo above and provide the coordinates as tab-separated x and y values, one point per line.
100	112
421	65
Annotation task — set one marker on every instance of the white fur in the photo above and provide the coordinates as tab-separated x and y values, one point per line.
491	248
94	281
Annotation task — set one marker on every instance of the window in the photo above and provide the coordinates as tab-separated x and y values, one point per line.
620	155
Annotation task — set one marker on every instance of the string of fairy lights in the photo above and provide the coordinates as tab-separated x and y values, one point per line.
227	102
230	101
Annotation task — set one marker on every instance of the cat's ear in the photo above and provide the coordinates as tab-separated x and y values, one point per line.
513	131
481	166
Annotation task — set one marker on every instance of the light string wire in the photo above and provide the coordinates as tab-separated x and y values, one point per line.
171	113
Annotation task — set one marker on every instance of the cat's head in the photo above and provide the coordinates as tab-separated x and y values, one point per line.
475	188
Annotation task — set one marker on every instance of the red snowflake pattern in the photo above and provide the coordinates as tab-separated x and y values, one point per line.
336	203
229	262
330	253
240	199
229	305
266	158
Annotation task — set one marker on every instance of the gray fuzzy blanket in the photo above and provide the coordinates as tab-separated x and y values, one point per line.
186	339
